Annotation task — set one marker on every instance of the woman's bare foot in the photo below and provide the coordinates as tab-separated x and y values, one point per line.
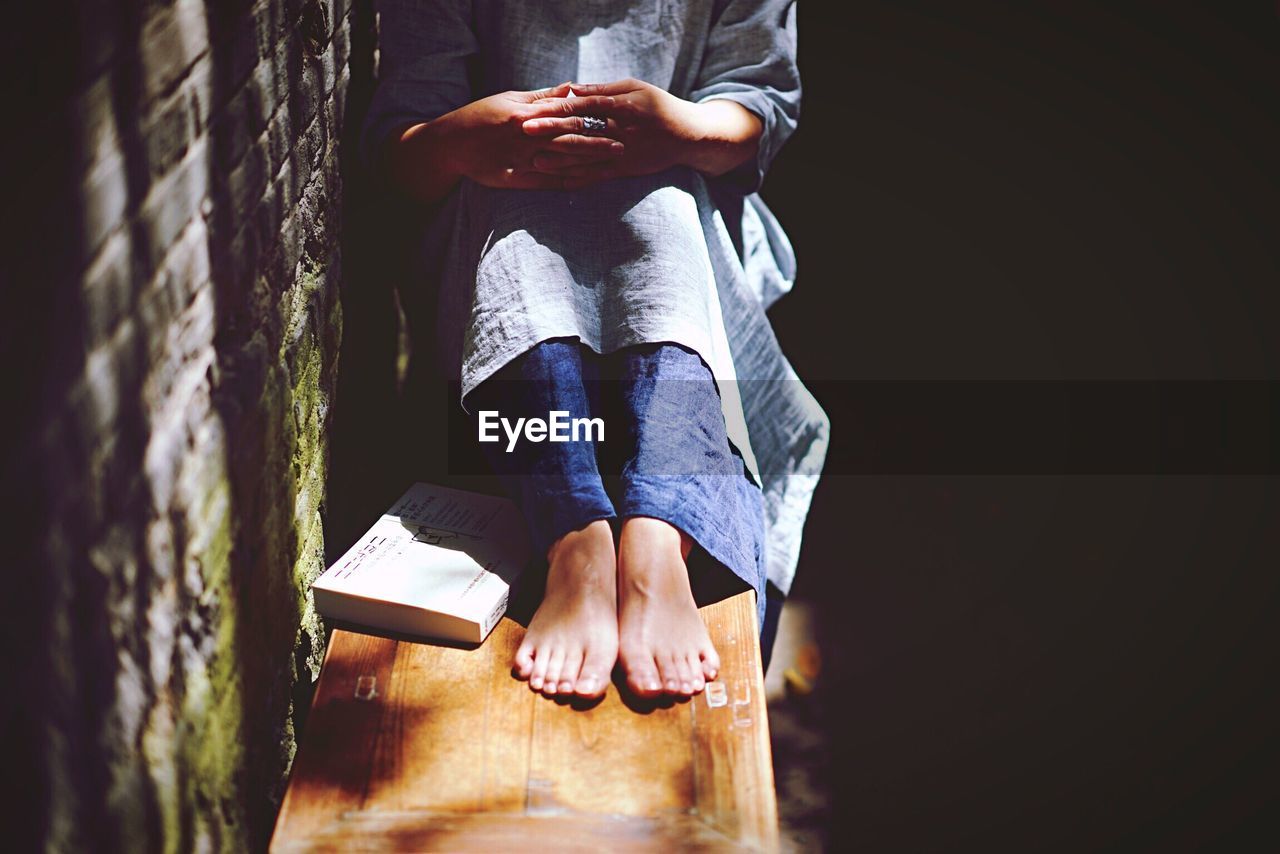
572	641
663	643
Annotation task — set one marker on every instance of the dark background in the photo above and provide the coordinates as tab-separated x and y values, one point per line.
1037	655
1033	190
1038	191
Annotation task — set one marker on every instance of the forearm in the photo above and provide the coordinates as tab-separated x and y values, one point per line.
419	160
723	134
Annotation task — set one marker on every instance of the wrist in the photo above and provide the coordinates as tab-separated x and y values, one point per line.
422	159
719	135
434	142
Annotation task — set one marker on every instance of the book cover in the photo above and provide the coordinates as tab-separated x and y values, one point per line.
438	564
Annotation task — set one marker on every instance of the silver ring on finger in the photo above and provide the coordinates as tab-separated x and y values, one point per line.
593	124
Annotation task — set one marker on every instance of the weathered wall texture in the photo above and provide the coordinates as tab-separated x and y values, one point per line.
179	360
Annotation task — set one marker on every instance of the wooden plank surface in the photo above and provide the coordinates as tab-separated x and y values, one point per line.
733	761
411	746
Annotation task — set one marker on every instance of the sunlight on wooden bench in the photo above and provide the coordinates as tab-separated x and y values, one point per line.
416	747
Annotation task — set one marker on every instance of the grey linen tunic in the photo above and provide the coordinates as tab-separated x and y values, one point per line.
669	257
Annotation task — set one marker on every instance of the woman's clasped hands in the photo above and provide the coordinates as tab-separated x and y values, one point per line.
552	139
656	130
646	129
484	140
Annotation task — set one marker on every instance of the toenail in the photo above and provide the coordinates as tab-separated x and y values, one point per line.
652	686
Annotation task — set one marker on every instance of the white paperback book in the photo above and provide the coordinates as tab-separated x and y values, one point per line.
440	564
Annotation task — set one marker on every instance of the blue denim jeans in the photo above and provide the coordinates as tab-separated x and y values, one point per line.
665	454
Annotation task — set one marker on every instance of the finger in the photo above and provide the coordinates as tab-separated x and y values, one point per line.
617	87
553	126
578	144
560	91
554	161
586	106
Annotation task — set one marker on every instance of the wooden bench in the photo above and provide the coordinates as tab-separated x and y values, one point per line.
411	746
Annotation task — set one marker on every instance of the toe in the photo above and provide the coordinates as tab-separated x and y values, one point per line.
694	665
570	672
593	678
669	673
539	672
587	685
552	680
684	674
642	676
710	663
524	660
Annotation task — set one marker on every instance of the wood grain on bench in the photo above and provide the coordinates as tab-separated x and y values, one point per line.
410	746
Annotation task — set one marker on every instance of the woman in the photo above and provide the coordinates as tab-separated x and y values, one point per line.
600	248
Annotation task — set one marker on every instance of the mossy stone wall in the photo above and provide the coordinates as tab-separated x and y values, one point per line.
176	341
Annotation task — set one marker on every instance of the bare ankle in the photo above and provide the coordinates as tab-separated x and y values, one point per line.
651	559
592	535
655	536
584	555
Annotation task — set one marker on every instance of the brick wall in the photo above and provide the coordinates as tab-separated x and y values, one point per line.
172	327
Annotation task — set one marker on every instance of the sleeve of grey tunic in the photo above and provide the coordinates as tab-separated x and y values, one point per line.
750	58
425	50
